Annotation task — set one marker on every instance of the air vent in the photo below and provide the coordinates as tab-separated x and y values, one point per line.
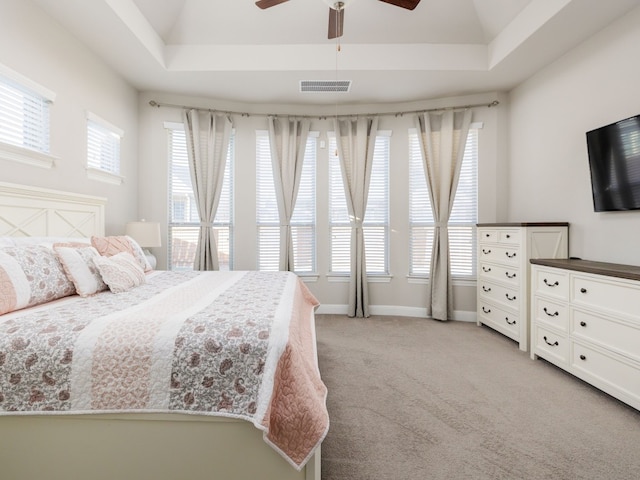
319	86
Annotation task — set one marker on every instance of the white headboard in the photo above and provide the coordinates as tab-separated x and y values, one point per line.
39	212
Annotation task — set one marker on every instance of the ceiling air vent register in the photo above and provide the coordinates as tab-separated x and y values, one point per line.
320	86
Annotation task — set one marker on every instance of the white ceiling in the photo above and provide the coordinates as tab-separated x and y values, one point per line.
232	50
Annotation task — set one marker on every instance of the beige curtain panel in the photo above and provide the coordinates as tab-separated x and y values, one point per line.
355	140
442	137
208	137
288	141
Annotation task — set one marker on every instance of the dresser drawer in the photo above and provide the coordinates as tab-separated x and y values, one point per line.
504	321
509	237
607	370
615	297
551	283
498	254
506	296
491	271
551	313
487	236
551	345
620	336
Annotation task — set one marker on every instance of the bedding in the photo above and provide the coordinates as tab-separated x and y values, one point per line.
233	344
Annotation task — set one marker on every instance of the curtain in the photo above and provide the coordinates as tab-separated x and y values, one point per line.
208	137
442	137
355	140
288	141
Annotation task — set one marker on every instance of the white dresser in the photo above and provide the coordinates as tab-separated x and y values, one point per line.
504	250
585	318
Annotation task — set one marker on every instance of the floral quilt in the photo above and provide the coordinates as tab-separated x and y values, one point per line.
237	344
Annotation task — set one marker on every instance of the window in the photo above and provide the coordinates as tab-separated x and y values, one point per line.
463	215
183	213
24	119
303	221
103	150
376	218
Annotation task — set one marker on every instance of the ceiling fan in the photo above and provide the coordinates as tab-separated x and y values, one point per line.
336	11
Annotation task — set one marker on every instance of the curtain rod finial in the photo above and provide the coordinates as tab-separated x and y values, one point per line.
153	103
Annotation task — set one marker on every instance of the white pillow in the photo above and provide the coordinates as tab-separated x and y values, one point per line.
79	266
121	272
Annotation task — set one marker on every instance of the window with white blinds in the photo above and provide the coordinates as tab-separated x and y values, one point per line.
183	212
24	115
376	218
303	221
103	145
463	217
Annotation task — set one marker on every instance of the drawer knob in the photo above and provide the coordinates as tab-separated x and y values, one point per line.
583	290
583	324
486	310
582	357
510	275
511	299
509	322
554	314
554	284
508	236
486	289
486	269
486	251
510	255
554	344
487	235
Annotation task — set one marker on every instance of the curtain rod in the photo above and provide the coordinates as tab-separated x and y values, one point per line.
155	104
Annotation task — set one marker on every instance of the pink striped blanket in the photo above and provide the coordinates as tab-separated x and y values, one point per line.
235	344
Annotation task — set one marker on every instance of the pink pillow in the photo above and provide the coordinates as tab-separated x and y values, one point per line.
109	246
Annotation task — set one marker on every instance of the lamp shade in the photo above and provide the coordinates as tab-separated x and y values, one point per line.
147	234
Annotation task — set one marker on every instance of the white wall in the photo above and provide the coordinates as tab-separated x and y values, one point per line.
35	46
399	295
593	85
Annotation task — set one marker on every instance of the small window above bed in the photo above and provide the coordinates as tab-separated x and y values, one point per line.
24	119
103	150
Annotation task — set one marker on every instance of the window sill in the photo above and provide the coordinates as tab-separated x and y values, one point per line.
26	156
308	277
371	278
458	282
102	176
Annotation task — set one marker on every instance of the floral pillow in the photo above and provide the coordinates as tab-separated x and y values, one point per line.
31	275
77	261
109	246
121	272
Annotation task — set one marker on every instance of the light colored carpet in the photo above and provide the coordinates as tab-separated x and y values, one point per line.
421	399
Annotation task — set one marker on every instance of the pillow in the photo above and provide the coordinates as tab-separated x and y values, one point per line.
77	262
121	272
109	246
31	275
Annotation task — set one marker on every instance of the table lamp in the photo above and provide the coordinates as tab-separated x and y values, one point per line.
147	234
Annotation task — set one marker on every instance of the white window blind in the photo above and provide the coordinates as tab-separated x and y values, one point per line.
376	218
463	217
103	145
183	213
24	116
303	221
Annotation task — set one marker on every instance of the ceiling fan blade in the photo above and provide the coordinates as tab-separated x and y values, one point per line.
269	3
408	4
336	22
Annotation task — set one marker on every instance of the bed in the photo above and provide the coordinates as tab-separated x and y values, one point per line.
186	375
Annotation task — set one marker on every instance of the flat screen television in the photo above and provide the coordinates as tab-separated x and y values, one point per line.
614	161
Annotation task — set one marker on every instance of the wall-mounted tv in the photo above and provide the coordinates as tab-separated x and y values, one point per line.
614	161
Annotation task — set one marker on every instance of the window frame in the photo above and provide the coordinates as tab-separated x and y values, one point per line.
110	138
310	156
170	127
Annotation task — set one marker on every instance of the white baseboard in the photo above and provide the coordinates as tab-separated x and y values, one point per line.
459	315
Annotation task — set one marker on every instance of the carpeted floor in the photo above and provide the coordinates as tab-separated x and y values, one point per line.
421	399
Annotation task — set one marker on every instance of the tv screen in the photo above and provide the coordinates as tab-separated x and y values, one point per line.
614	161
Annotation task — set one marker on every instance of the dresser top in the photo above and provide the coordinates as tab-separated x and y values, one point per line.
524	224
630	272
